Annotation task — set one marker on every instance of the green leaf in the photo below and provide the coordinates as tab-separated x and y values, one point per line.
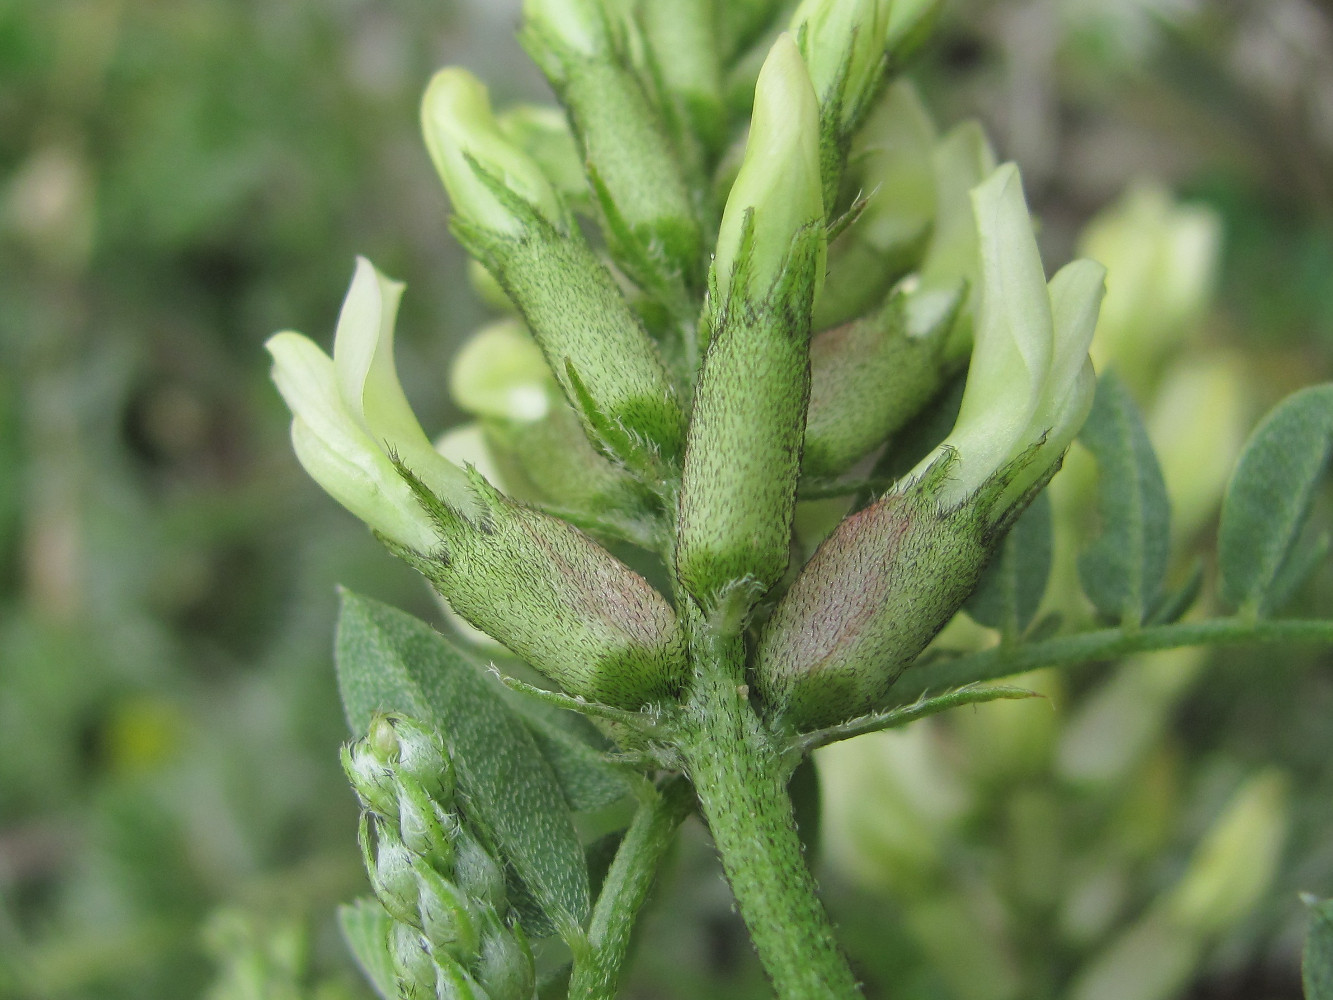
1011	588
1268	499
1173	605
365	925
588	780
1122	569
390	661
1317	963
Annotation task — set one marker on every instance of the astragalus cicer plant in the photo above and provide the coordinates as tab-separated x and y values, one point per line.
764	315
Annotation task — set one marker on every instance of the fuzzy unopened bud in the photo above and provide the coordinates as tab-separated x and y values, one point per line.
477	872
370	777
556	598
472	156
842	42
646	211
446	913
425	825
872	596
390	866
505	968
870	377
738	488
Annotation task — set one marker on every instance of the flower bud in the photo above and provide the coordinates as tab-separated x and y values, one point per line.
350	414
505	968
894	162
558	600
599	352
842	42
870	377
891	576
777	194
372	781
464	141
647	215
420	756
426	828
738	488
447	918
390	866
452	981
476	872
412	961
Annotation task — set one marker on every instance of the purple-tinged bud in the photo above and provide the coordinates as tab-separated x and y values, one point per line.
557	599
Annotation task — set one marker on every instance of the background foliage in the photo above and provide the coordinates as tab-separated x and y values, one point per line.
179	180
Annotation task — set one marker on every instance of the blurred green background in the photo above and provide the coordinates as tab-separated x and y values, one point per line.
180	179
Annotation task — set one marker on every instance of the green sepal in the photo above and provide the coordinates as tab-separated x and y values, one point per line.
876	592
388	660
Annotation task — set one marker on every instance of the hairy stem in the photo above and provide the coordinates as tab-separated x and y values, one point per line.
1105	644
740	779
597	973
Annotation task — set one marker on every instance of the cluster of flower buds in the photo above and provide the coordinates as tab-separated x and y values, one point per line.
890	576
454	934
583	398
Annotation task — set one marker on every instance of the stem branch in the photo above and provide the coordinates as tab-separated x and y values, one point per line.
1105	644
627	884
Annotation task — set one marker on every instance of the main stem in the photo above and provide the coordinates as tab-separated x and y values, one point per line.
740	781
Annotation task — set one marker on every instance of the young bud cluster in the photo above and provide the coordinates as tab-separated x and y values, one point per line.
891	576
455	934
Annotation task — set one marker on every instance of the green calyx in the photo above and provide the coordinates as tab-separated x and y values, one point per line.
546	591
